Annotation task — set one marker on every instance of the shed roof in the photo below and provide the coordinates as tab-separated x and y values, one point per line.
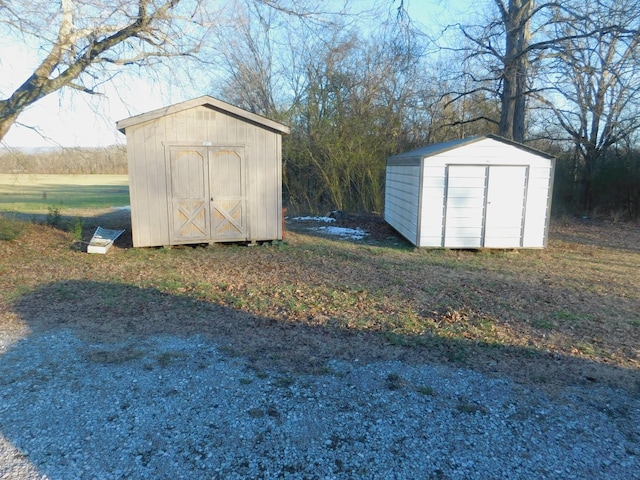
205	101
437	148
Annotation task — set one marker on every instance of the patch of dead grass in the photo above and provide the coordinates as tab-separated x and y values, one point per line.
563	315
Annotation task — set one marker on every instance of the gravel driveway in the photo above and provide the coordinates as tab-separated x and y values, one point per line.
172	408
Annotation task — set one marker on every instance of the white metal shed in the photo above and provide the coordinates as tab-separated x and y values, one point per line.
480	192
204	171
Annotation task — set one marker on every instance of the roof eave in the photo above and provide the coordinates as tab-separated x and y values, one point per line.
455	144
205	100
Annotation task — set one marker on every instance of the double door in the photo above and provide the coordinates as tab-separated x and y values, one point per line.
485	206
207	194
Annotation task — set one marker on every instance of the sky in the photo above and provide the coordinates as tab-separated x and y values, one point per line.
73	119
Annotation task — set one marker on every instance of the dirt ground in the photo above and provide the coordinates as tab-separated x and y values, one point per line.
296	305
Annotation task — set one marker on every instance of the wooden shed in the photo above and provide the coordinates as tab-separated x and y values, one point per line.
480	192
204	171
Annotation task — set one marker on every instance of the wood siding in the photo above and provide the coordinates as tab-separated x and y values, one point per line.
200	129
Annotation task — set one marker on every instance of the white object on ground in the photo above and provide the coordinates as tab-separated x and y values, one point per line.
103	240
314	219
349	233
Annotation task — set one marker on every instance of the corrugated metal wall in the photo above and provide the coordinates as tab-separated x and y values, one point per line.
402	198
485	193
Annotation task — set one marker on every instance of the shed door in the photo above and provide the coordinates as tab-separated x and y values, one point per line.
506	194
485	206
190	215
207	194
465	206
228	207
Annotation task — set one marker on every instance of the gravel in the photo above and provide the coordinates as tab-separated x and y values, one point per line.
166	407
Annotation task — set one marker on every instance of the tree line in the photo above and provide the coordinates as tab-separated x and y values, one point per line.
66	161
560	76
358	86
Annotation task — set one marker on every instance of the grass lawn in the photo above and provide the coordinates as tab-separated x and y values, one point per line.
568	314
40	193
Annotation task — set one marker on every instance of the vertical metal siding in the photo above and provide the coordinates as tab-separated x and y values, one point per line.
538	206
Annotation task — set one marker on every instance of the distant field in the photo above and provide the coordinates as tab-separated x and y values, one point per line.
39	193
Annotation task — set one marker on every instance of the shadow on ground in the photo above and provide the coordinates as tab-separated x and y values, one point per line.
109	218
124	383
98	312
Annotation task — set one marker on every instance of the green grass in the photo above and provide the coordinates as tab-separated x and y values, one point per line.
165	359
543	324
471	408
10	229
425	390
568	316
47	193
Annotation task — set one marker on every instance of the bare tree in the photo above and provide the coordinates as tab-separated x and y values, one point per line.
85	42
516	17
244	55
506	48
592	84
354	112
343	87
455	102
499	52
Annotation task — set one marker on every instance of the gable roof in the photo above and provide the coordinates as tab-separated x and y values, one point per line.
205	101
438	148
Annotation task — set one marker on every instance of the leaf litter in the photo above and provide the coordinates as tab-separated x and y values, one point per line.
565	315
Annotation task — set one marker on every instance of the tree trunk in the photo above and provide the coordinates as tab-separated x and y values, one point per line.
77	49
508	102
33	89
6	120
516	64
